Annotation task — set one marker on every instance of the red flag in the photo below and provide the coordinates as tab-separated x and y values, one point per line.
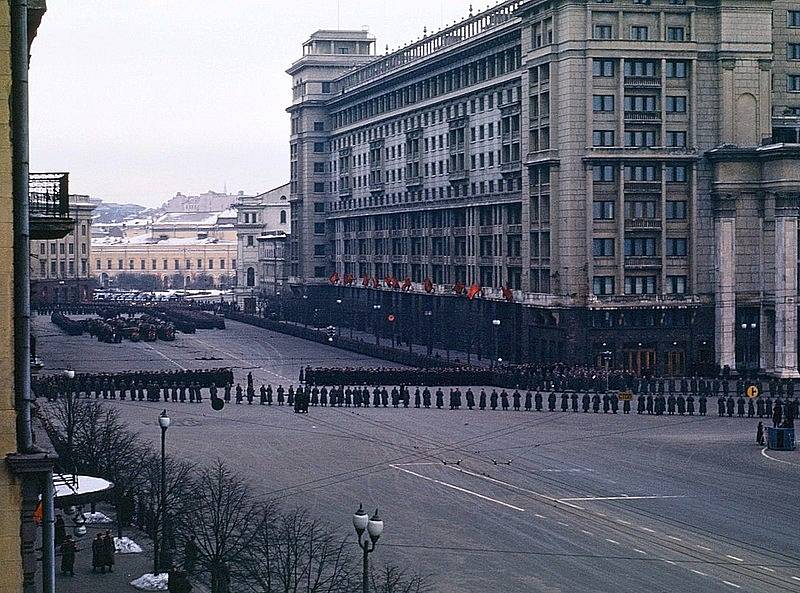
348	279
507	294
473	291
407	284
458	287
428	285
388	281
375	282
334	278
395	283
365	281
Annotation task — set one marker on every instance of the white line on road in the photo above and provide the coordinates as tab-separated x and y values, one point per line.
420	463
623	521
764	453
162	355
539	516
458	488
734	558
732	584
673	538
767	568
669	562
612	541
562	523
702	574
621	497
637	550
706	548
795	578
586	532
647	529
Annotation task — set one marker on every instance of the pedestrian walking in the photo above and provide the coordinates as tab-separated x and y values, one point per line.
97	554
108	551
68	550
760	433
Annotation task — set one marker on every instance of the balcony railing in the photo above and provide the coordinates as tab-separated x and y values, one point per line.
643	223
643	81
48	202
643	116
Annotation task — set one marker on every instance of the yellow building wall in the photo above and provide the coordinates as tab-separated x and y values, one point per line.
10	490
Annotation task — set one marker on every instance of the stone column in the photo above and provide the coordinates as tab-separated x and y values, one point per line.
725	259
786	213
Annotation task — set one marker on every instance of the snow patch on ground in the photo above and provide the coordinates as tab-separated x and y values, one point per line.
125	545
151	582
96	518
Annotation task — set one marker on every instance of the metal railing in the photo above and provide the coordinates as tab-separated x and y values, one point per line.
48	195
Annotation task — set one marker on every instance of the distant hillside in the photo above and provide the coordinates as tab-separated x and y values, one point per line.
111	212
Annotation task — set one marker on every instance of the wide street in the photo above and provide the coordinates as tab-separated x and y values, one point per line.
487	501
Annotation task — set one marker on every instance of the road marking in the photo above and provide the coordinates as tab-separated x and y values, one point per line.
622	497
562	523
623	521
539	516
669	561
602	515
459	489
586	532
767	568
510	485
421	463
795	578
640	551
647	529
162	355
706	548
734	558
673	538
764	453
732	584
612	541
702	574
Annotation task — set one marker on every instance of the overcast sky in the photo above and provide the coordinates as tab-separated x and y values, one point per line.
141	99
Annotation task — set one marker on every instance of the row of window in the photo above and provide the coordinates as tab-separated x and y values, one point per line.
61	270
640	247
187	264
640	138
639	33
63	248
640	209
606	68
673	173
605	285
640	103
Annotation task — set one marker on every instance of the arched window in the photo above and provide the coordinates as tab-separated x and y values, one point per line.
283	216
251	277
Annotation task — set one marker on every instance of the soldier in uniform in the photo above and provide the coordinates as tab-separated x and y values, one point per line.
721	405
269	395
290	396
239	397
730	405
357	397
574	400
251	392
681	404
396	398
384	397
376	397
493	399
740	406
323	397
348	397
504	400
517	400
417	398
751	408
426	397
279	393
262	392
564	402
471	398
457	398
482	400
226	393
439	399
606	403
760	407
212	390
690	404
671	405
596	403
405	396
586	401
551	401
640	404
528	401
703	404
777	414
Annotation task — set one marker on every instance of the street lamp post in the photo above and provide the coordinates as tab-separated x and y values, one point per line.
429	315
495	328
374	528
163	422
377	309
305	310
339	321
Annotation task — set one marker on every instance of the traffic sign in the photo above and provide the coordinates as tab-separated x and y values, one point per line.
625	396
391	318
752	392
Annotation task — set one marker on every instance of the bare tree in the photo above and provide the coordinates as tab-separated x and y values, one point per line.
222	519
392	579
292	553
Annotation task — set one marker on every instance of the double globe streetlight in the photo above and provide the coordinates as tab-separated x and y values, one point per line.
163	423
374	528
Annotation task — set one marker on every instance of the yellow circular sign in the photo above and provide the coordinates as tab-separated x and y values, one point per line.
752	392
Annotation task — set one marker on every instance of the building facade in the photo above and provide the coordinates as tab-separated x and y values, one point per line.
272	262
61	268
265	213
615	176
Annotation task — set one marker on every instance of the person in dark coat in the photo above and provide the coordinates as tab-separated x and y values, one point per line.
290	396
528	401
426	397
417	398
108	551
614	399
60	533
405	396
703	405
760	433
517	399
690	405
606	403
493	399
269	395
280	392
721	406
751	408
538	401
740	407
574	401
585	402
551	401
649	404
626	406
376	398
482	400
730	405
640	404
681	405
68	550
439	399
777	414
596	403
239	397
262	392
97	554
671	405
471	398
564	402
504	399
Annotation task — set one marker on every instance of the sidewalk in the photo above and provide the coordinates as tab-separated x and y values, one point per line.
127	567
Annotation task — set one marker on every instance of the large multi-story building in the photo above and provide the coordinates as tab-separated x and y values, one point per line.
257	215
61	268
616	175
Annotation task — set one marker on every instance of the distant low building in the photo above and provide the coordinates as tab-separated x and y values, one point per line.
151	262
210	201
60	268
